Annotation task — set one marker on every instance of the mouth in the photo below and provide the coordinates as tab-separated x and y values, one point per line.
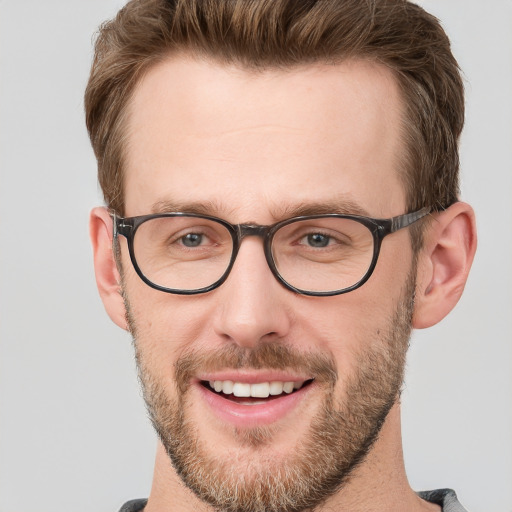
257	393
249	402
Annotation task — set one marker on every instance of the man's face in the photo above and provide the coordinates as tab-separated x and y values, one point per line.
255	148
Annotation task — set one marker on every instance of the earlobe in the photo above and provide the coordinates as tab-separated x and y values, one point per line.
444	263
107	275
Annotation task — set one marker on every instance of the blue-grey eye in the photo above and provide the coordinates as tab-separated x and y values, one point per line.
192	240
318	240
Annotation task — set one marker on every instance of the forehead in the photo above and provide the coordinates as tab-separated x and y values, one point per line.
251	143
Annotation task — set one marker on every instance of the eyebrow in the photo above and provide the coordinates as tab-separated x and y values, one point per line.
210	208
343	206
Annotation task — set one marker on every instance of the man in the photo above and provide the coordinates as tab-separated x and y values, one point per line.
281	181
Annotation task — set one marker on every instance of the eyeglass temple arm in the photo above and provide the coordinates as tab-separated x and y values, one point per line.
402	221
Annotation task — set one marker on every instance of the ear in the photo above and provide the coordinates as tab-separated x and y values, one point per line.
107	276
443	263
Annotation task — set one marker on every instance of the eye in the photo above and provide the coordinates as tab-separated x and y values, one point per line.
317	240
192	239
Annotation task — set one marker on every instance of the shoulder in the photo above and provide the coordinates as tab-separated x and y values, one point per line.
134	506
444	497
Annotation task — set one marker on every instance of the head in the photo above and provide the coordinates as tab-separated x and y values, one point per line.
255	112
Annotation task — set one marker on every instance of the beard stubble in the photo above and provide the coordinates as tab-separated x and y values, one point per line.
338	438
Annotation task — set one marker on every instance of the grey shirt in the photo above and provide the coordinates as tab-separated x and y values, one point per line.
444	497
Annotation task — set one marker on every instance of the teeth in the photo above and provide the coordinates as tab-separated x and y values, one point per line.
241	389
276	388
258	390
288	387
227	387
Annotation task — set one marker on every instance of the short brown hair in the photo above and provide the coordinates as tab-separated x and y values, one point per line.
281	34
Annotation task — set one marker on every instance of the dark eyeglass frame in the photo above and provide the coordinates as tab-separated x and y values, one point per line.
379	228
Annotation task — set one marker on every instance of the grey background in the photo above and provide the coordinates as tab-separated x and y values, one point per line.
73	431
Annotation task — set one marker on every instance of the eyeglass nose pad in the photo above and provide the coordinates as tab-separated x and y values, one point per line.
245	230
263	232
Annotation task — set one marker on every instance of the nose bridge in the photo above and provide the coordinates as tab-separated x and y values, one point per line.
251	305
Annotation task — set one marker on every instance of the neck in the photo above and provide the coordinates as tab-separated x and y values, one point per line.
378	484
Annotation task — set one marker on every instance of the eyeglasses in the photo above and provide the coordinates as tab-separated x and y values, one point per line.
317	255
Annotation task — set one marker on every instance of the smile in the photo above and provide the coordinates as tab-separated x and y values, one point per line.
255	390
248	402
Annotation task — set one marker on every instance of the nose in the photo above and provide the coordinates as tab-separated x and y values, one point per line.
252	303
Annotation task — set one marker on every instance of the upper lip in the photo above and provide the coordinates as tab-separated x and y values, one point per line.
254	377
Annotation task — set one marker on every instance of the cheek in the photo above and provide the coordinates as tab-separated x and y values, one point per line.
165	324
346	325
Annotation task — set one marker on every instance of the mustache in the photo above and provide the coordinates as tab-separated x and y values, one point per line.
270	355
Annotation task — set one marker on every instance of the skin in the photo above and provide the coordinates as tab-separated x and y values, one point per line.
253	147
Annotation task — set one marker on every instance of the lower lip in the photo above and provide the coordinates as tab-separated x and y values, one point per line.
247	416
